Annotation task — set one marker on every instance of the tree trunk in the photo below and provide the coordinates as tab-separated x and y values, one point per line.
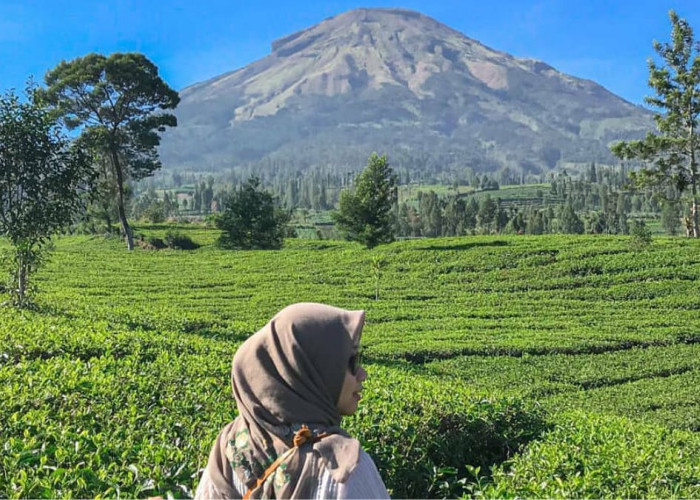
120	199
694	205
693	180
21	279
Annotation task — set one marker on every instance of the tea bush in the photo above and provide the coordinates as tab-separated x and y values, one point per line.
423	433
588	456
478	350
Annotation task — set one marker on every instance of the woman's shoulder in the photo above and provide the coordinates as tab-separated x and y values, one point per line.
365	463
364	481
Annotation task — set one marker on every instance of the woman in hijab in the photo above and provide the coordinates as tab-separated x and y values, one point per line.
293	381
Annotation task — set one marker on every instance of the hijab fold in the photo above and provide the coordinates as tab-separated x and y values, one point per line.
288	374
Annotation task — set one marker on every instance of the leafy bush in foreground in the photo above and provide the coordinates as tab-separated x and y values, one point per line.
588	456
425	435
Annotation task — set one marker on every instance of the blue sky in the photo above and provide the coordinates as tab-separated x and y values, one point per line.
190	41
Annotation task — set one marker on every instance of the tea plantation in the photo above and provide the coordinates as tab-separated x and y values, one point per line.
552	366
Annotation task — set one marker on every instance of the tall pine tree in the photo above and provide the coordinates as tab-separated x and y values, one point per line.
365	215
674	150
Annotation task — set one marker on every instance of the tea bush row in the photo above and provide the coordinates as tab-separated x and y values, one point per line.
118	384
589	456
140	421
655	384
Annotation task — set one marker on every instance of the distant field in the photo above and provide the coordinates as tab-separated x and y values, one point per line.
514	192
515	196
410	191
558	366
520	197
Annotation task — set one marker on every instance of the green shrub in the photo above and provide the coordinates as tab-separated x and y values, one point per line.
589	456
250	219
154	212
155	242
641	235
426	436
178	241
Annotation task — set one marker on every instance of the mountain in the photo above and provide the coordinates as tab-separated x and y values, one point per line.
397	82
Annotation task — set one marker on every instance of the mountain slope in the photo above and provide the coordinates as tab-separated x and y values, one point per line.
396	81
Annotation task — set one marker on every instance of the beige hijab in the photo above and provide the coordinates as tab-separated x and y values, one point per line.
287	374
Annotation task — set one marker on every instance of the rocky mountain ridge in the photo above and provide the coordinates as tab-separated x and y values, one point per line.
397	82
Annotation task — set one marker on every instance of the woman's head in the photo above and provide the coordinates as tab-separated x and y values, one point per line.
296	368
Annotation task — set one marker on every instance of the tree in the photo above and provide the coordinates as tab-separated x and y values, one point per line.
569	222
403	222
592	175
103	205
470	213
501	218
674	150
43	179
596	223
487	213
207	195
535	223
115	101
250	220
670	219
430	210
365	215
453	220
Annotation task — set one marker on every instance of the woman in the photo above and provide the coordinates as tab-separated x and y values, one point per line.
293	381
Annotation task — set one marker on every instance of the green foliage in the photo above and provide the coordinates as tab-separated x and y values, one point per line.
487	213
365	215
674	150
250	219
154	212
423	434
569	221
644	382
593	457
103	208
115	102
430	209
43	184
114	414
119	382
18	266
156	242
529	209
670	217
179	241
377	265
641	235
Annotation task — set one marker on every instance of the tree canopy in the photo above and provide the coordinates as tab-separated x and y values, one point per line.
673	151
250	219
44	178
365	214
116	102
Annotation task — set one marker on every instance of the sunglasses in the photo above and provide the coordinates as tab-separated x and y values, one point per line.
355	362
